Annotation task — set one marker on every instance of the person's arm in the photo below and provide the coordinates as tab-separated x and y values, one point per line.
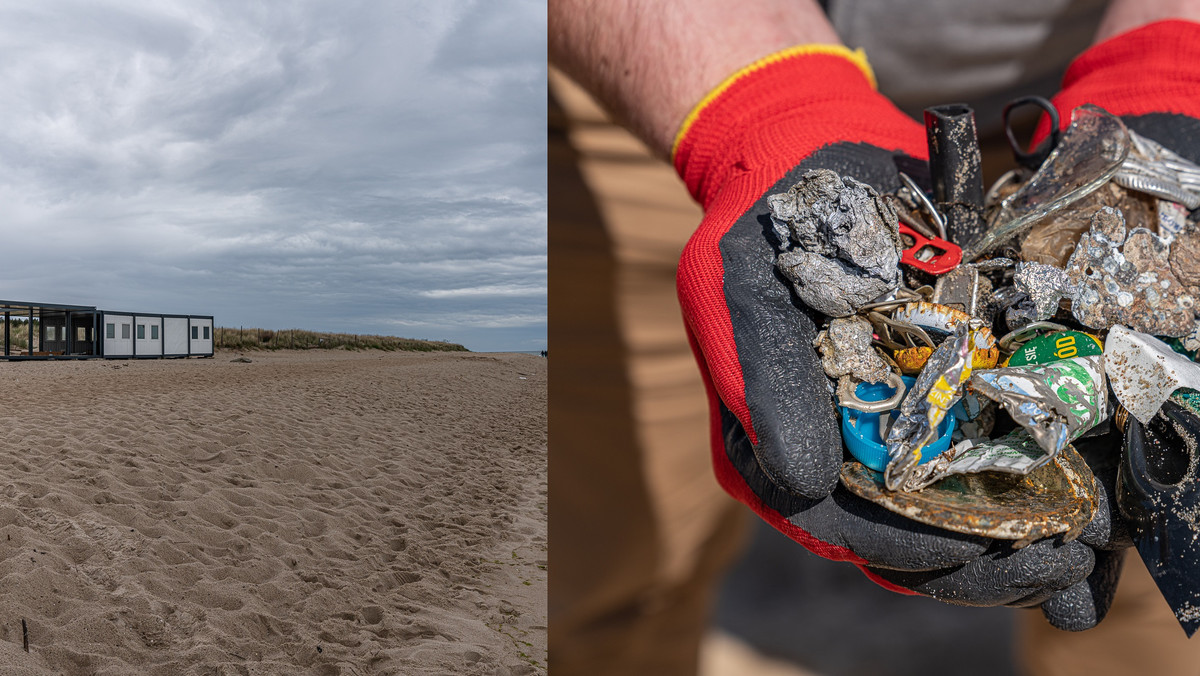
650	62
1125	15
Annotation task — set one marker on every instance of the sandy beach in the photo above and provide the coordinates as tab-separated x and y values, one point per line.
320	512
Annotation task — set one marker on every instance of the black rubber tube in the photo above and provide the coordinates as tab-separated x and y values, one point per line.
954	166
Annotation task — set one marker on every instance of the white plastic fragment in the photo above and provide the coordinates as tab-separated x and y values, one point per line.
1143	371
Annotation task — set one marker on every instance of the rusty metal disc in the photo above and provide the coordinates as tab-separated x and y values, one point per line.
1058	497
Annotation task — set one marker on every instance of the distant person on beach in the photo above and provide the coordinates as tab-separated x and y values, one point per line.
738	96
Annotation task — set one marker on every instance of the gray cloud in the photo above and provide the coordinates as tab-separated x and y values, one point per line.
366	167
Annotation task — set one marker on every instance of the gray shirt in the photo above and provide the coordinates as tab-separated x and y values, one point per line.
984	54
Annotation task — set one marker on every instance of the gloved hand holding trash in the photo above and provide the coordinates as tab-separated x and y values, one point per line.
791	160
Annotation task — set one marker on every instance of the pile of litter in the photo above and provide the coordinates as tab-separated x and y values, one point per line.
976	339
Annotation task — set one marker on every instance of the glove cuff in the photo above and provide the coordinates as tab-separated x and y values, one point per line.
1151	69
767	117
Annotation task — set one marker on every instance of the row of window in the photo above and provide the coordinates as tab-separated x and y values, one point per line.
110	331
60	333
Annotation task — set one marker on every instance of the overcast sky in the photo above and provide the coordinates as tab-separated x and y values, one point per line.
367	167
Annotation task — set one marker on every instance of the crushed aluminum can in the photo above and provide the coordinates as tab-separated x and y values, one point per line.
1143	371
846	350
1126	278
839	241
1055	346
928	401
1055	402
1059	497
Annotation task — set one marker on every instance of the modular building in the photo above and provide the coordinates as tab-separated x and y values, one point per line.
84	332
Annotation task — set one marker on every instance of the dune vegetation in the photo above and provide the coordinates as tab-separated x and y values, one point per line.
297	339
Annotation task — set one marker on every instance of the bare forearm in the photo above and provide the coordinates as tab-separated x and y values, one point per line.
649	62
1125	15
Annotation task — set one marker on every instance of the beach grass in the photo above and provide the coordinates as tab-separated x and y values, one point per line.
298	339
18	334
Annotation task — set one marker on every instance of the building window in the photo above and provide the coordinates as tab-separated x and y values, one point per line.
153	332
206	335
110	330
141	332
124	332
195	333
49	333
81	334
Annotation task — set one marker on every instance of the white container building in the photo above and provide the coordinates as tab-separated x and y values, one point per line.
85	332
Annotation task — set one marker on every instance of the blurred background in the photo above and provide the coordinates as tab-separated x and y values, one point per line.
782	611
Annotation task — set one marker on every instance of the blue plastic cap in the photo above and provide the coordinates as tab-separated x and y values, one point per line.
861	433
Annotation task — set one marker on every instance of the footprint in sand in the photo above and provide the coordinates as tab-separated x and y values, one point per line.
372	614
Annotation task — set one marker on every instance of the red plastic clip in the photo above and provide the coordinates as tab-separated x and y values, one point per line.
946	256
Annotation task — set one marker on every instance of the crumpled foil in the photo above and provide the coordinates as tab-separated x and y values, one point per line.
1126	278
1045	285
840	240
935	391
846	350
1015	453
1055	402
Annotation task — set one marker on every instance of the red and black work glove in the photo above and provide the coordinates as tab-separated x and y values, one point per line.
1150	78
777	444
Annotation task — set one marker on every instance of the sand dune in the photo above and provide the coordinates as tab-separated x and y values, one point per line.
309	512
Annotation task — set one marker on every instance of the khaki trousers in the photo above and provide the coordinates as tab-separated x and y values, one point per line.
640	531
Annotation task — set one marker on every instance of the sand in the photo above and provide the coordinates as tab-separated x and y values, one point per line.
317	512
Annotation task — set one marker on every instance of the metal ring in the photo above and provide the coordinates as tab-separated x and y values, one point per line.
1034	159
847	392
